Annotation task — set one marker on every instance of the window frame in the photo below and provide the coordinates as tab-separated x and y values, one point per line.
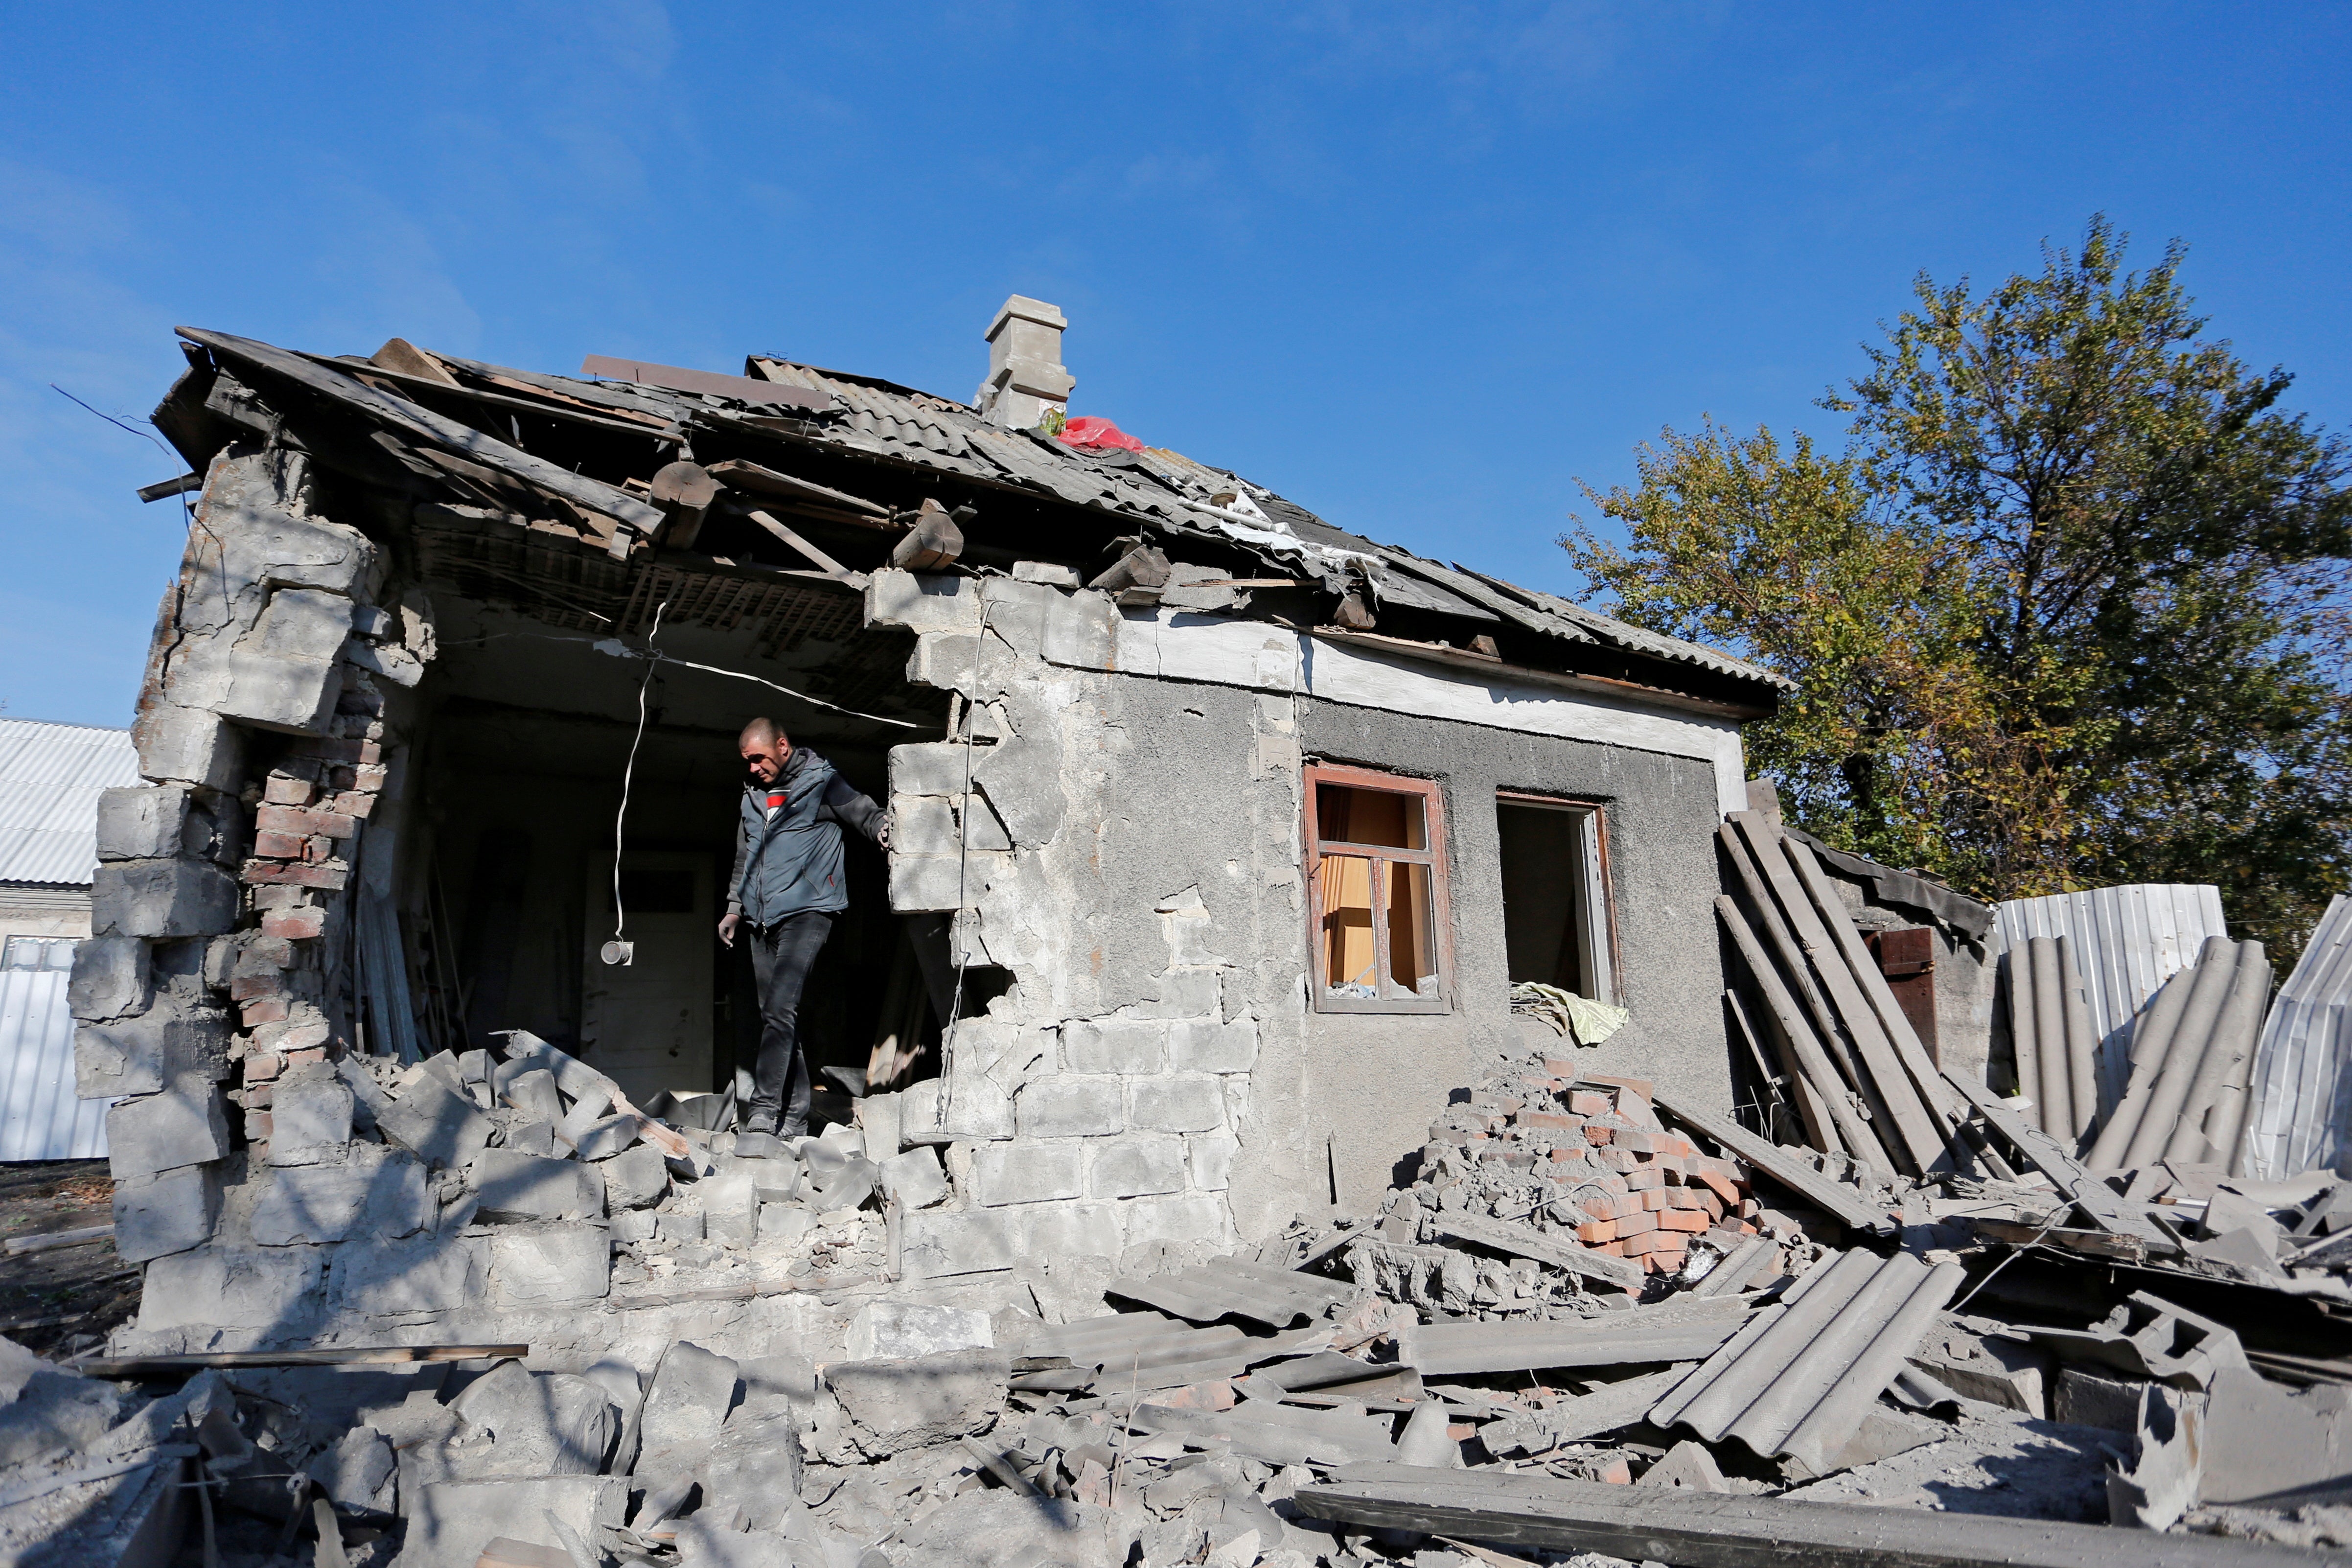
1431	795
1595	892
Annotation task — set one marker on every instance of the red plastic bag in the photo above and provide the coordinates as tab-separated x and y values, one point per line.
1092	432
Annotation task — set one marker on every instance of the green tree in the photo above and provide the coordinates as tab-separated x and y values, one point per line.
2067	611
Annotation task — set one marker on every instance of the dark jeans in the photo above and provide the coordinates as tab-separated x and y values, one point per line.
781	956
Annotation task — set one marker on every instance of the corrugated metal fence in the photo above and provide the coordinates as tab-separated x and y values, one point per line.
40	1119
2126	941
2303	1093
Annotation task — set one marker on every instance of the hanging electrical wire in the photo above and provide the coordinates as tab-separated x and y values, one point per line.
620	950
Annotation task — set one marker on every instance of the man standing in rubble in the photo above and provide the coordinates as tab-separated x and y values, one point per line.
788	886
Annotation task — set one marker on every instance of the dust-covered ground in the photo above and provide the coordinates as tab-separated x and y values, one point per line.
64	1300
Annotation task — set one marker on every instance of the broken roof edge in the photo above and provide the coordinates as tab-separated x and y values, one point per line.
1333	555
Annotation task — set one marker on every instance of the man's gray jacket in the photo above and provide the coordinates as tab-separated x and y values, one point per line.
789	862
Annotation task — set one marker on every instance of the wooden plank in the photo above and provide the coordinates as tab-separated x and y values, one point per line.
140	1366
742	388
2097	1243
832	568
1520	1241
424	424
537	405
1716	1530
2105	1207
1840	1200
1811	1065
748	476
1914	1137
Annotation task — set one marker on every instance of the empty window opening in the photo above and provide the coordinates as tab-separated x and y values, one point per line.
1556	926
1375	862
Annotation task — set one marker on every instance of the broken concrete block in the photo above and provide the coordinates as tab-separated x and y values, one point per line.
1138	1164
112	979
188	745
1028	1173
515	1185
379	1194
1070	1107
140	1054
1115	1046
634	1178
932	882
310	1115
939	1245
901	1404
53	1412
542	1266
536	1423
754	1471
711	1537
914	1179
529	1138
2094	1397
1076	1230
142	822
162	899
356	1470
678	1226
248	1290
1989	1368
686	1405
1211	1155
287	672
1688	1465
931	768
431	1119
532	1091
170	1212
1080	632
1193	1103
924	602
992	1528
1207	1045
608	1136
424	1274
978	1109
2161	1482
1022	779
899	1331
1174	1220
784	1226
450	1523
184	1124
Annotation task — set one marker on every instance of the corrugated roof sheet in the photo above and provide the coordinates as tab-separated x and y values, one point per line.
50	776
1799	1378
2302	1095
40	1119
2127	942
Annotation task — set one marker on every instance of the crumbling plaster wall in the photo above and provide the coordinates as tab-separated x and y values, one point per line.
1661	813
1153	1076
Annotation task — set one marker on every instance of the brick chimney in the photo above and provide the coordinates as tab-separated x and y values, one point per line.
1025	377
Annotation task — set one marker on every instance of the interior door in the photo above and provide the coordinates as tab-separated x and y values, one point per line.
648	1023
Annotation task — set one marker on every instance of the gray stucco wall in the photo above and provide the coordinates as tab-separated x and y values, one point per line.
1375	1081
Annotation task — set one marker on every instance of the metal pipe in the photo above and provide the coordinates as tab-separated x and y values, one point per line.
2214	969
2150	1038
2082	1044
2233	1040
2057	1095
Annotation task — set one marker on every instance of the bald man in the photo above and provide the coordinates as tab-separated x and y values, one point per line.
788	886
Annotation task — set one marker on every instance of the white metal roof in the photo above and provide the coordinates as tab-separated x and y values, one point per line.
50	776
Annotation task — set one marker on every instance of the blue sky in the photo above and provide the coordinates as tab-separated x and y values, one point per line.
1418	267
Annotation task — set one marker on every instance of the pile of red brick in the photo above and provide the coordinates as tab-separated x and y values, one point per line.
306	819
1634	1189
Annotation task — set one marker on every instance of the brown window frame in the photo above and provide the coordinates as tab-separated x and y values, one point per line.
1431	795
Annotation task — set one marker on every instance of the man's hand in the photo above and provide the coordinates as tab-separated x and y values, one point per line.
882	834
727	924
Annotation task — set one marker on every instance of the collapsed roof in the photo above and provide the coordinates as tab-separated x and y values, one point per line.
550	493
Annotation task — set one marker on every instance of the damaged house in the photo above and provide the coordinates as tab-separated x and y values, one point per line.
1220	835
1334	1068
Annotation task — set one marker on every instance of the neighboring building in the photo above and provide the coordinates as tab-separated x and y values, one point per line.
51	777
1221	835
